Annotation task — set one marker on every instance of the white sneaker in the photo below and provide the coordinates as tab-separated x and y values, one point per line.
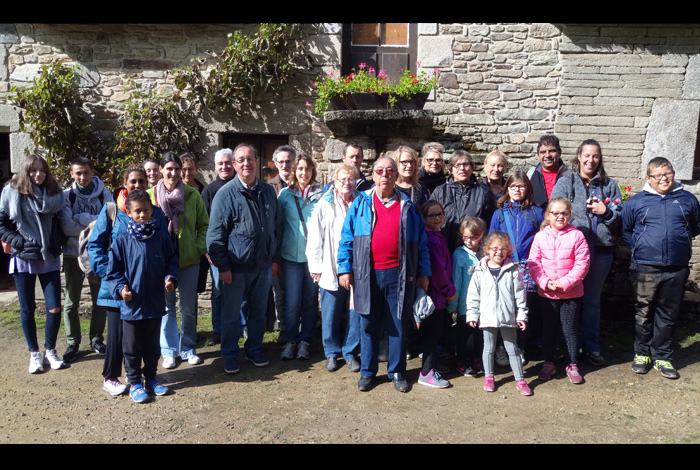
51	357
36	361
501	356
194	360
303	351
168	362
114	387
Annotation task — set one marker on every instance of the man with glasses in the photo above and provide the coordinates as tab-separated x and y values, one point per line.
658	223
242	241
551	167
383	256
353	155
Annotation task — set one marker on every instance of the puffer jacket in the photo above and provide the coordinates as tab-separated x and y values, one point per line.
464	262
80	213
355	250
659	229
292	235
561	255
524	222
496	303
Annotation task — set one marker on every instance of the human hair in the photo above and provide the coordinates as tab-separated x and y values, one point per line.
350	169
221	152
657	162
394	167
353	145
309	161
22	182
493	236
284	148
130	170
250	146
425	207
137	195
549	139
518	176
576	165
432	147
188	157
459	154
498	155
82	161
151	160
170	157
474	224
414	156
557	200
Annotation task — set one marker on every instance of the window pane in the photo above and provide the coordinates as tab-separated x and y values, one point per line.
365	34
395	34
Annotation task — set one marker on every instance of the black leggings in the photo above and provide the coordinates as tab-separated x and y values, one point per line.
560	314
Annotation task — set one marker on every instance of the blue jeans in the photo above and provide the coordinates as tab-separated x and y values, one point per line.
593	288
384	286
254	288
51	286
216	301
334	306
183	342
302	302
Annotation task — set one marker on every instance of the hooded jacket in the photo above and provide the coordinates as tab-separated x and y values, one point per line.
499	302
79	213
524	222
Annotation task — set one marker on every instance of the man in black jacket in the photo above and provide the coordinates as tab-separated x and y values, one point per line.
545	175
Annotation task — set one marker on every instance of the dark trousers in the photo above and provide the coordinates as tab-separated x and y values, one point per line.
431	330
141	346
659	294
560	315
114	357
463	332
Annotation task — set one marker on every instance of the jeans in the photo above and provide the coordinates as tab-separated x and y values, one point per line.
216	302
253	287
590	312
384	286
183	342
302	302
71	319
51	286
334	308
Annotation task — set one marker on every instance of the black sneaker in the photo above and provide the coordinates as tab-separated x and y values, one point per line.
99	347
400	383
641	364
71	353
596	359
365	383
666	369
331	364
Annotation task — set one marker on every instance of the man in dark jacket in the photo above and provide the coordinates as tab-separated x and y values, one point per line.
545	175
354	155
242	241
659	224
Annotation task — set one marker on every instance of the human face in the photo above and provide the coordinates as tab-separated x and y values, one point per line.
353	156
548	155
283	162
588	160
407	166
384	176
665	182
303	173
517	191
434	218
344	184
135	180
37	173
245	164
82	175
172	174
559	216
139	211
189	170
471	240
499	251
224	166
152	173
494	169
432	163
462	170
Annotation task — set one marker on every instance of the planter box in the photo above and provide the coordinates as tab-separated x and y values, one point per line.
416	101
371	100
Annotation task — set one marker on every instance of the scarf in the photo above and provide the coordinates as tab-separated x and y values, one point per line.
141	231
172	203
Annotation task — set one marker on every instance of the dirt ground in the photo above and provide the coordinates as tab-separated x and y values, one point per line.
300	402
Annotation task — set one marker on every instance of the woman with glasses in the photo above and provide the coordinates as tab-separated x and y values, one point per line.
408	183
432	172
597	207
462	196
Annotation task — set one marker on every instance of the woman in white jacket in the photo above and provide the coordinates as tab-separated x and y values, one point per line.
321	252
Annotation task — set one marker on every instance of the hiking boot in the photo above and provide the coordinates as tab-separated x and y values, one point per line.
71	353
489	384
573	373
548	370
433	379
641	364
666	369
523	388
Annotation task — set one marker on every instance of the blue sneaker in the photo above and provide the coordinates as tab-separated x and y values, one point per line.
138	393
153	386
231	366
258	359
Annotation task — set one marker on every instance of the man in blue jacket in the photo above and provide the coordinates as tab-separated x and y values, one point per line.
242	242
659	224
383	256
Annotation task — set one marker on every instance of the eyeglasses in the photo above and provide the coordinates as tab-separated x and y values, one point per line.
284	162
384	171
556	215
517	187
470	237
462	165
436	216
433	161
345	181
241	161
407	162
658	177
498	249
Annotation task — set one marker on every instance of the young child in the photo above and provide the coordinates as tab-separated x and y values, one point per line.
559	260
464	261
660	238
140	261
440	290
496	303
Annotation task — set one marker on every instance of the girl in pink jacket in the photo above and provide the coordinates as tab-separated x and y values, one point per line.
559	260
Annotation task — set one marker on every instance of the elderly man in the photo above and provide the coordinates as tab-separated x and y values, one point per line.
382	257
353	155
242	242
545	175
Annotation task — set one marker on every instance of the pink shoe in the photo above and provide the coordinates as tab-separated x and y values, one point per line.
574	376
489	386
548	370
523	388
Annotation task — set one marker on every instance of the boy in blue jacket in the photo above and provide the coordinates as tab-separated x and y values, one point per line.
659	224
140	261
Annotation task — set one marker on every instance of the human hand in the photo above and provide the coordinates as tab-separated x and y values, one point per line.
226	277
472	324
450	299
315	276
522	325
276	268
126	293
346	280
169	285
596	206
423	281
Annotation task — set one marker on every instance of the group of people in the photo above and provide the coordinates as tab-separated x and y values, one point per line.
519	259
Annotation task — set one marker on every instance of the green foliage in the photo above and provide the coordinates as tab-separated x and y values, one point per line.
52	114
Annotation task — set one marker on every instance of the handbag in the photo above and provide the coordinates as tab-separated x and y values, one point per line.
524	269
